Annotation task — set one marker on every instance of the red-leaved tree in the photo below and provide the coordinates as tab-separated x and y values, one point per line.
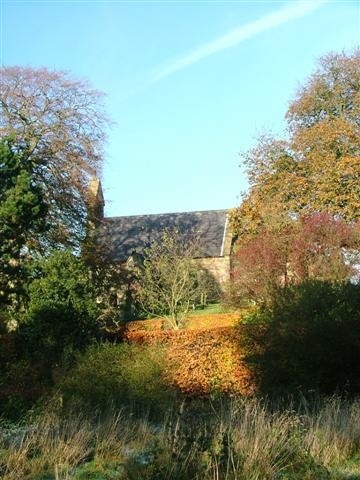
317	246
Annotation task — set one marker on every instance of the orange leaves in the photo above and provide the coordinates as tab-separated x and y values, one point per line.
192	322
212	321
207	361
200	360
144	325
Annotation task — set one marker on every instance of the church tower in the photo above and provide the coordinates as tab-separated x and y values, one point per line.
96	202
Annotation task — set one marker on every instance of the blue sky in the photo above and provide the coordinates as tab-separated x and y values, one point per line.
189	84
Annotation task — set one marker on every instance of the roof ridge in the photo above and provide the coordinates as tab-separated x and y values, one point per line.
222	210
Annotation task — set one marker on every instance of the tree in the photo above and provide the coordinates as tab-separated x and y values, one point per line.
22	219
60	319
317	168
332	92
170	281
259	268
324	248
315	247
58	123
111	280
277	188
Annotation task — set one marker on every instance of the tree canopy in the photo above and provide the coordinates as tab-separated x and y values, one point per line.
317	168
59	125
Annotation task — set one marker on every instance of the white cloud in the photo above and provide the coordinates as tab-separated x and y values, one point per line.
291	11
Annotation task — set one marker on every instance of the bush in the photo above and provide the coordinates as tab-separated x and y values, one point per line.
54	332
60	319
119	375
309	339
61	315
314	247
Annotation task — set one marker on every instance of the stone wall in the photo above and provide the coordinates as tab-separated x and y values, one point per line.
219	267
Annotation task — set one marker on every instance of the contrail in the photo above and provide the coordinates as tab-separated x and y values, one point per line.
293	10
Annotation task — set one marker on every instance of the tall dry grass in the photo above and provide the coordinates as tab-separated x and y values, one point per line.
56	446
239	439
332	431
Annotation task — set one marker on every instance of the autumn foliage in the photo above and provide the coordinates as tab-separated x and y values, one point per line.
317	246
58	123
316	168
201	360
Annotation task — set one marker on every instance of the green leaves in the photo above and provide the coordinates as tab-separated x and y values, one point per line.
22	218
309	339
62	312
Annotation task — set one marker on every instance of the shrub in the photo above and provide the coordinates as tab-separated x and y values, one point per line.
314	247
120	375
60	319
62	311
308	340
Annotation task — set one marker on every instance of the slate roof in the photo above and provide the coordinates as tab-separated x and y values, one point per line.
125	235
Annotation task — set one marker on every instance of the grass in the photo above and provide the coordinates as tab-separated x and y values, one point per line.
212	316
212	308
226	439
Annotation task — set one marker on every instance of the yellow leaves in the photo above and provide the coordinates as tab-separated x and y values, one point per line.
331	92
318	167
326	177
350	165
330	138
332	159
246	219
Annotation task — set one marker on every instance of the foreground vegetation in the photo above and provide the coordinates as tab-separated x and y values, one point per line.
167	406
247	439
250	397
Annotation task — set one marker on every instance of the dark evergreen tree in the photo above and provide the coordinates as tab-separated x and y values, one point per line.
23	220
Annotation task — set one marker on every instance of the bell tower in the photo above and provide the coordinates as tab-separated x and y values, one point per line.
96	201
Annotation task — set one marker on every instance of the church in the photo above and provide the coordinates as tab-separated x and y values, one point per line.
126	236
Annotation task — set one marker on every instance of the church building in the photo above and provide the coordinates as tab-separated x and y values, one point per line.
126	236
